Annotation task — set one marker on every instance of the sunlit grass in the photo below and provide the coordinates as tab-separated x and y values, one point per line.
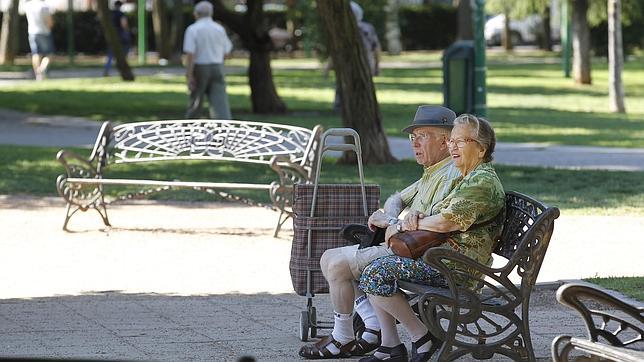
630	286
528	98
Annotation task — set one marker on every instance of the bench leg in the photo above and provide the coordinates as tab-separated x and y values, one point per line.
69	214
281	221
98	206
102	210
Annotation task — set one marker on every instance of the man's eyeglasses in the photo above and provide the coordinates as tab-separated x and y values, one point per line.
460	143
419	136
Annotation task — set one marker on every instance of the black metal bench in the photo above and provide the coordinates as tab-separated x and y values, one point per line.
615	328
289	150
492	318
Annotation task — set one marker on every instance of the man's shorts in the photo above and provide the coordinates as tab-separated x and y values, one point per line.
360	258
41	44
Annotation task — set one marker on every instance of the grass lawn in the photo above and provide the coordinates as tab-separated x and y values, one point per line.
631	286
528	99
32	170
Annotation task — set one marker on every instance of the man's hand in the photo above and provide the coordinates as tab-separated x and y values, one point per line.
192	83
410	222
391	230
378	220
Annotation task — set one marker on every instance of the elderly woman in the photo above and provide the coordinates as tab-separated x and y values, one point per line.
476	198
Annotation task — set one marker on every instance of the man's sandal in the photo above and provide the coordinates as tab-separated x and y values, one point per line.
363	347
319	350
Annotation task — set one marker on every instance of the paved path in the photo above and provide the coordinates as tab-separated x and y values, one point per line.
206	281
21	128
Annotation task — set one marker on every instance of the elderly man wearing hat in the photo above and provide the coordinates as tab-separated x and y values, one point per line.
342	267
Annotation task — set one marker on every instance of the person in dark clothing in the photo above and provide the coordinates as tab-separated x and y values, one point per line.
123	31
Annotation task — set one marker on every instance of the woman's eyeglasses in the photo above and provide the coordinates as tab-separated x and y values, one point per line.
460	143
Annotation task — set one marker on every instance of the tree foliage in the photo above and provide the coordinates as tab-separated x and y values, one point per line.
632	12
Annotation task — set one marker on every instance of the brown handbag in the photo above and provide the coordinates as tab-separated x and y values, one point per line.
413	244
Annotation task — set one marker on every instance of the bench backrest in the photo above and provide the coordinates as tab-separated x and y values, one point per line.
200	139
526	234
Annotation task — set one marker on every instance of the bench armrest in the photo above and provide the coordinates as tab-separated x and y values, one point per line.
457	270
77	166
456	312
623	328
289	174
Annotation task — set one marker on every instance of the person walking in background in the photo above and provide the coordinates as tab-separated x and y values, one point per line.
205	45
371	47
123	31
369	39
39	22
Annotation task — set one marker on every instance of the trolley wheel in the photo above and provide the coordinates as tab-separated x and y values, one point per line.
304	326
313	318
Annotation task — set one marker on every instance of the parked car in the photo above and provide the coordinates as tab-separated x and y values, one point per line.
523	31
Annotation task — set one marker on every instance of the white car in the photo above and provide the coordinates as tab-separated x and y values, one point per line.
524	31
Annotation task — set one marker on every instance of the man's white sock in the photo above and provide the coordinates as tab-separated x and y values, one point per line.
342	330
365	310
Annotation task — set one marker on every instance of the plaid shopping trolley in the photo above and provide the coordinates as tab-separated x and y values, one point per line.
320	211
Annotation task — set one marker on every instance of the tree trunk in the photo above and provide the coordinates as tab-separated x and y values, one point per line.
506	39
253	32
546	42
9	34
615	57
358	96
465	31
392	28
112	40
176	32
580	42
161	29
260	77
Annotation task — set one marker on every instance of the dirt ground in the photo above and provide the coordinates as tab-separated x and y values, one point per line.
214	248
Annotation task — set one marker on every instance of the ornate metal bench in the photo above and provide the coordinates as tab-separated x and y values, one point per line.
290	151
492	318
614	336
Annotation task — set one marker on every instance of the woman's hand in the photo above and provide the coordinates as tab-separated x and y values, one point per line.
410	222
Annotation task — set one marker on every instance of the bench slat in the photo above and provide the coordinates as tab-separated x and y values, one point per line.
213	185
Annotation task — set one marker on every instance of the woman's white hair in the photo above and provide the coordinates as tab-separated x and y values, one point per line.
485	135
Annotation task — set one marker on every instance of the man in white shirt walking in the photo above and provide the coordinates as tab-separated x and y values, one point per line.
205	45
39	22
